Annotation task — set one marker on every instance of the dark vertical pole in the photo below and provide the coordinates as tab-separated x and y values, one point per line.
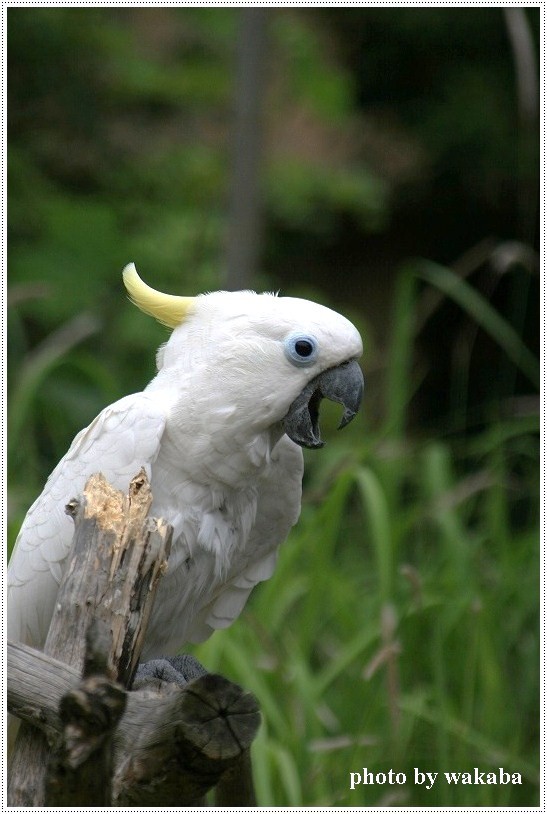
244	226
525	62
527	84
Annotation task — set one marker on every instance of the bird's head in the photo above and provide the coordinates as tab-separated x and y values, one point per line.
272	358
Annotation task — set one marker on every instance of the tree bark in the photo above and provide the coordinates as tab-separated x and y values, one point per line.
163	745
235	787
117	558
81	770
244	226
174	749
170	746
111	575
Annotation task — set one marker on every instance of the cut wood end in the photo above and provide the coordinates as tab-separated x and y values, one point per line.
222	719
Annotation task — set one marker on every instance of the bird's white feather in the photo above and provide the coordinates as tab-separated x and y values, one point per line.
208	432
127	431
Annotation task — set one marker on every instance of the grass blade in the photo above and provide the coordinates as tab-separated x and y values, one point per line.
484	315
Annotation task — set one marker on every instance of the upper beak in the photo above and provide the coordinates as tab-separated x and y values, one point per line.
343	384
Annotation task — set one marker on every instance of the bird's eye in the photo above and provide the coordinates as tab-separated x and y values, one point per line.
301	349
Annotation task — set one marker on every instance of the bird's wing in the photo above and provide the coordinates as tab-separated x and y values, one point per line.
124	436
278	509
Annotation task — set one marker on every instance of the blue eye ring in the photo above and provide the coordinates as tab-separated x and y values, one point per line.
301	349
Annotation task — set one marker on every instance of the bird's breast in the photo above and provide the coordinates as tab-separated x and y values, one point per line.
211	530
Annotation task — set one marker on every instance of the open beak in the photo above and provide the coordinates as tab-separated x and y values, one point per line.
343	384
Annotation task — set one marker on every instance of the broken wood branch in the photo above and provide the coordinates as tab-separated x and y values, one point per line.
108	746
116	555
171	745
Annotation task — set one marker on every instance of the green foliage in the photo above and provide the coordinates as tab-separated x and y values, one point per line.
485	316
310	197
328	89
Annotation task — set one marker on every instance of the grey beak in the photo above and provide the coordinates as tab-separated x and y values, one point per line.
343	384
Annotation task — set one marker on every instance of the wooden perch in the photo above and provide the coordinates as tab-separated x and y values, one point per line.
170	746
88	714
110	746
116	560
177	746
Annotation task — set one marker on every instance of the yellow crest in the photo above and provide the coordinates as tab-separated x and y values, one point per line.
166	308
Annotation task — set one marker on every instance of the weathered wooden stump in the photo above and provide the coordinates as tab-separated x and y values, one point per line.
87	740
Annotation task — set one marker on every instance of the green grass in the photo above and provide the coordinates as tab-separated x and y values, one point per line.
400	629
396	634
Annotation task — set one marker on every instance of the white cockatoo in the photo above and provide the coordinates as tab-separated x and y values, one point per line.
219	431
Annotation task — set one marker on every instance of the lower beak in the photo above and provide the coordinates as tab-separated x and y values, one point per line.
343	384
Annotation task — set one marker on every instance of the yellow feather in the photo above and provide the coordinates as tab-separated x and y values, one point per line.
166	308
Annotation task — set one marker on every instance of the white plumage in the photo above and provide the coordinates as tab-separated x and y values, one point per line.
209	431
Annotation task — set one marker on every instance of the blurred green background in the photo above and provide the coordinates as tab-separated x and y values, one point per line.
383	161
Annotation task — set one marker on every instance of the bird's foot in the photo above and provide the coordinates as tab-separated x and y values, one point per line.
179	670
